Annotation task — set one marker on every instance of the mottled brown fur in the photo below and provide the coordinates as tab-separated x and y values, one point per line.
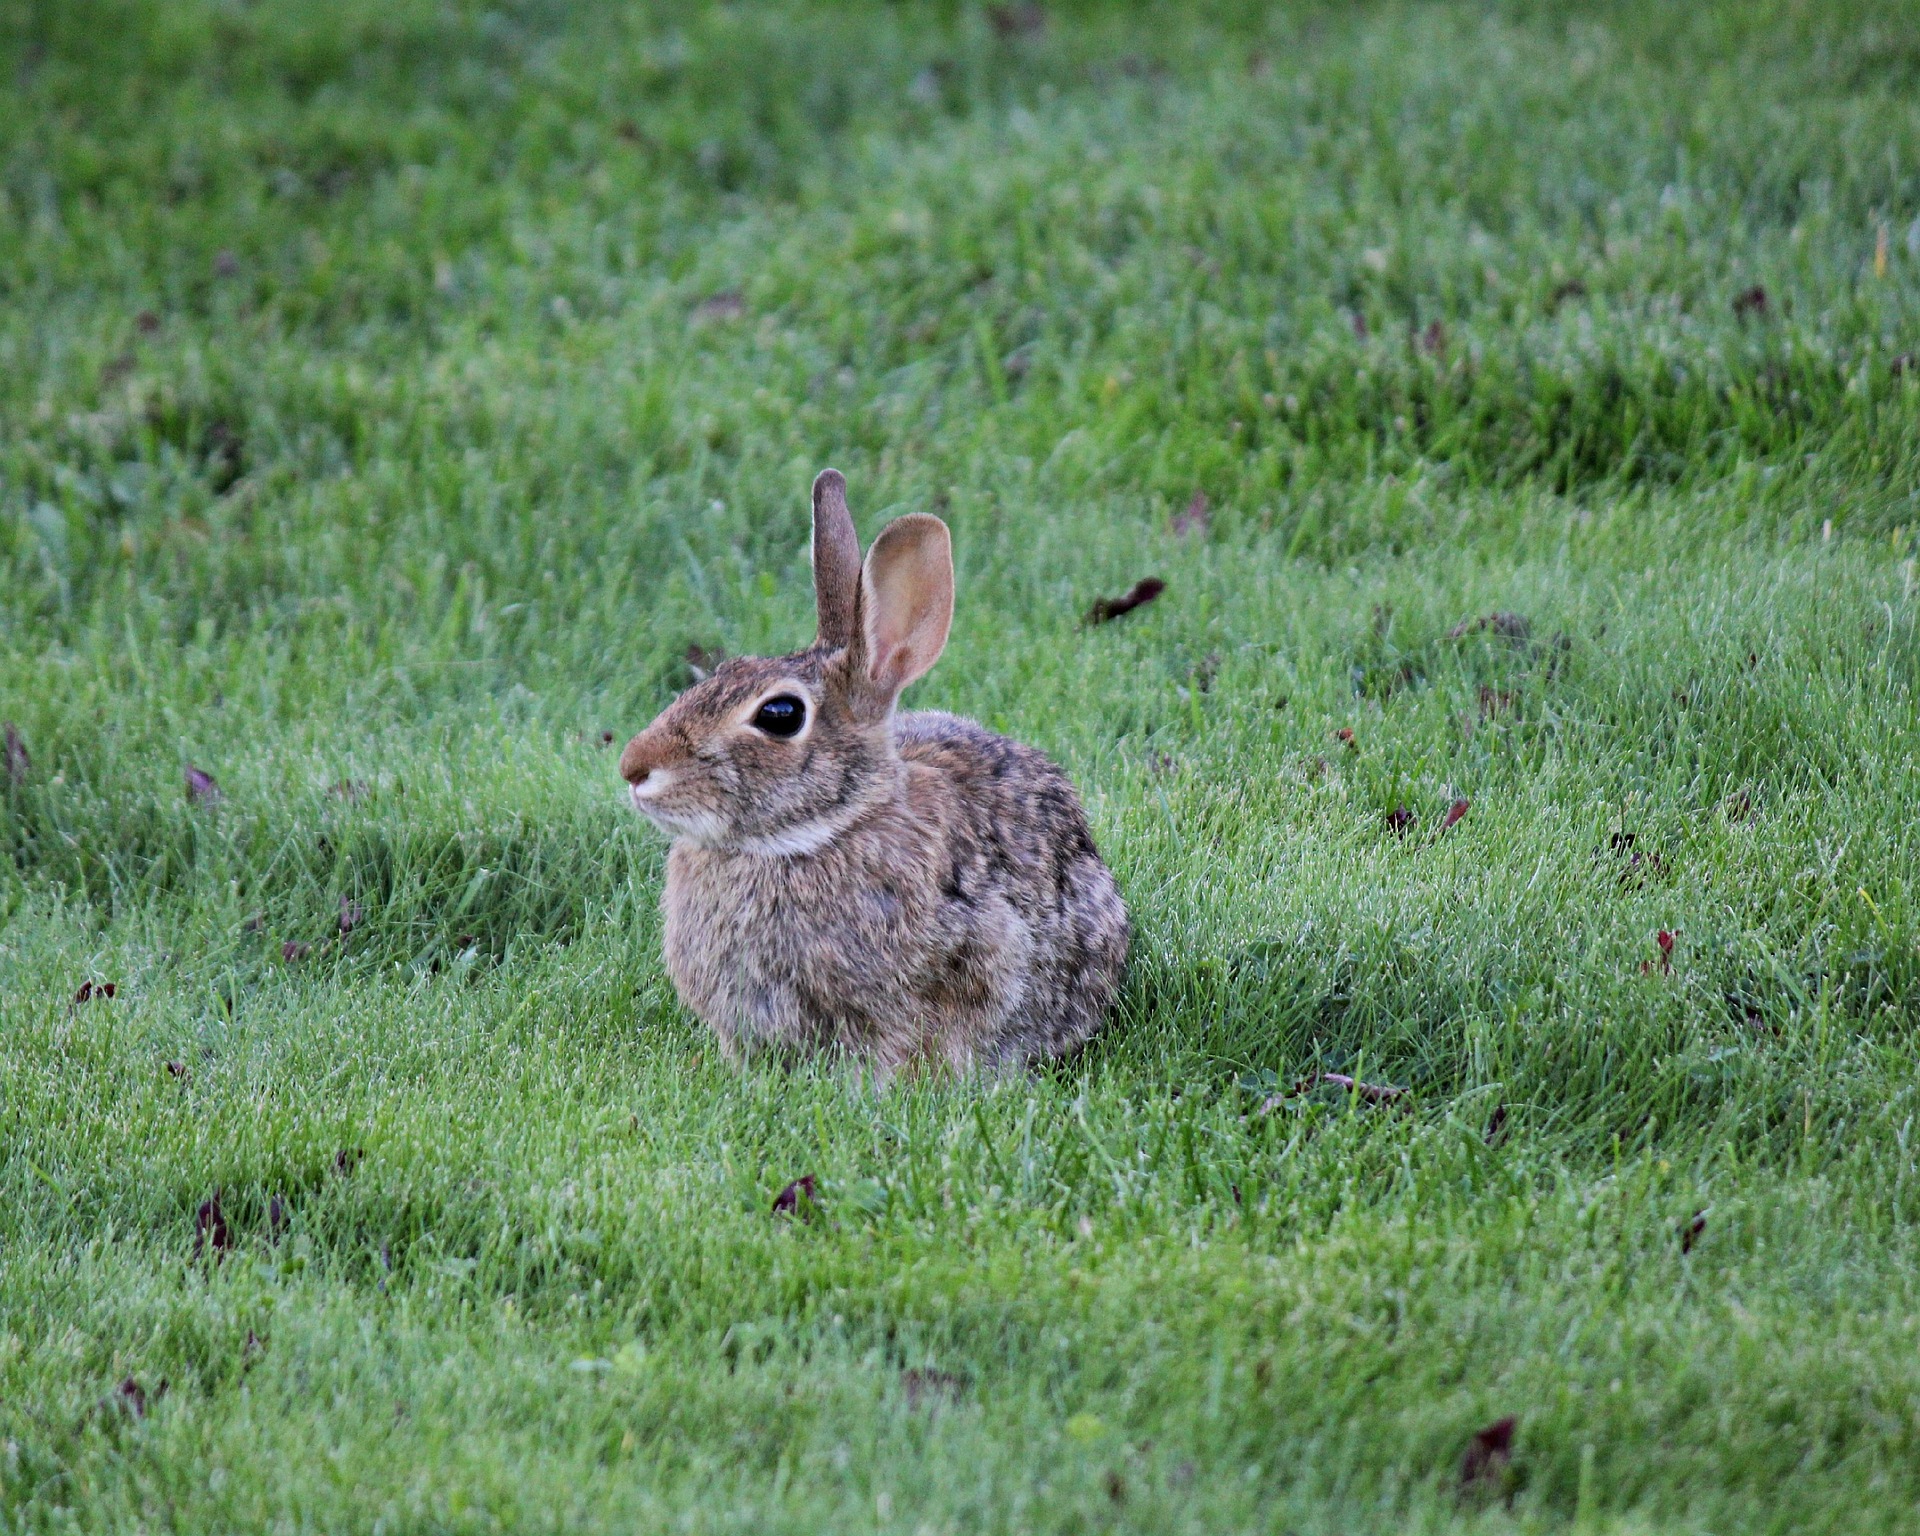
906	888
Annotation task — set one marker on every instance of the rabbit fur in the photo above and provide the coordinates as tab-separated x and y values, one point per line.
908	889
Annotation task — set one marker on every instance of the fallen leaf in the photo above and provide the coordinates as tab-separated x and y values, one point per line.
1508	626
1750	301
930	1388
1665	940
1400	820
1197	517
180	1070
201	786
1692	1232
1345	735
797	1199
91	990
294	949
210	1232
131	1396
1455	811
1488	1455
1636	864
18	760
1738	806
1008	21
1142	591
346	1160
1494	701
1497	1126
352	914
1373	1093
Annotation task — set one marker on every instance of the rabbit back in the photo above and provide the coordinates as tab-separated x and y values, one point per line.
1019	836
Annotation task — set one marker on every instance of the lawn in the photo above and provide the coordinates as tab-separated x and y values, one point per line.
1513	787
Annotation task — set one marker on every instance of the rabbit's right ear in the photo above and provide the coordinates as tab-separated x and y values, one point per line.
836	561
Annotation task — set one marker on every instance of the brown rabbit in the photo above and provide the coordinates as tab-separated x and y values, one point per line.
901	887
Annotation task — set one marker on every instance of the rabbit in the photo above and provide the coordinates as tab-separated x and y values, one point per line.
909	890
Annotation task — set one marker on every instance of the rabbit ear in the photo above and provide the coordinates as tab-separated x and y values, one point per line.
906	601
836	561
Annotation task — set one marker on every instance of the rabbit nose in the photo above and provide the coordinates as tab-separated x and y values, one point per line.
634	766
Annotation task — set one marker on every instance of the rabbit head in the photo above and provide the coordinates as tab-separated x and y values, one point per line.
776	755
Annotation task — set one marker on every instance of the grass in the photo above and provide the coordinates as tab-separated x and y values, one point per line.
390	394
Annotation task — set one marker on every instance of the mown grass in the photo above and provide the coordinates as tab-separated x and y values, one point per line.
392	394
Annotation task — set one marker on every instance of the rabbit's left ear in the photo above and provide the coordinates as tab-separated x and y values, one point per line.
836	560
906	601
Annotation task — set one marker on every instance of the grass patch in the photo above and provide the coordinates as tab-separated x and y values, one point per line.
1520	405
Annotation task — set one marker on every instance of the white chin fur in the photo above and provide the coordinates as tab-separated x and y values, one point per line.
705	830
791	842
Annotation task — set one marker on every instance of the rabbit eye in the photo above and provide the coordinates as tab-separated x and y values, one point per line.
781	716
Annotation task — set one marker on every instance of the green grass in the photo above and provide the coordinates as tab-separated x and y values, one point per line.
391	393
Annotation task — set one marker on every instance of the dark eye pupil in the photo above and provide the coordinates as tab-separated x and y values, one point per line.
782	716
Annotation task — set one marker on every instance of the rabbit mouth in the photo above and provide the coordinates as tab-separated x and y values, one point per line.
682	821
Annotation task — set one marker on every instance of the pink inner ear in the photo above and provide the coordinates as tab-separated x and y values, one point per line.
907	600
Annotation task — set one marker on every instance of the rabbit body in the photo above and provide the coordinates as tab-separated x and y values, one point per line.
968	919
905	888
